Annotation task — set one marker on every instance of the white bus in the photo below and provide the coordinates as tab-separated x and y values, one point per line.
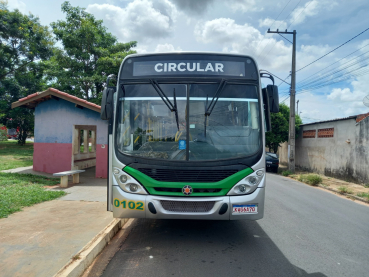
186	136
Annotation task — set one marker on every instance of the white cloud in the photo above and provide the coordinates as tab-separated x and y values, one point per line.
363	44
310	9
141	49
350	102
268	22
16	4
244	5
166	48
271	54
300	13
140	20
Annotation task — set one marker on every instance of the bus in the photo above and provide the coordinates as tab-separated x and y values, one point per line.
186	136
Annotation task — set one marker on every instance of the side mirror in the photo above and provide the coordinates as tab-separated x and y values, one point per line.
107	104
273	98
268	121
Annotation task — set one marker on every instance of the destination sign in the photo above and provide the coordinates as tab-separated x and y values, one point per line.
189	67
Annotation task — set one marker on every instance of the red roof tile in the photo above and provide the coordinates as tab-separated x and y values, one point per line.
361	117
55	91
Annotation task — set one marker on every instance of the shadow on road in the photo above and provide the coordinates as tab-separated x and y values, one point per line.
200	248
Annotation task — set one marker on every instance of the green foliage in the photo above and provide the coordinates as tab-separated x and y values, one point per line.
13	155
22	83
344	189
311	179
3	133
286	173
24	42
90	53
363	194
23	190
280	127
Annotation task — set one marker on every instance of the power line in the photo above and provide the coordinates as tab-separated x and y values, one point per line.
285	79
327	54
330	74
364	72
285	38
299	14
333	50
272	25
334	63
280	14
285	99
274	75
277	29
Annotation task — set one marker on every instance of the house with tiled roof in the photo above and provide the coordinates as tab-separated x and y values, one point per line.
69	133
337	148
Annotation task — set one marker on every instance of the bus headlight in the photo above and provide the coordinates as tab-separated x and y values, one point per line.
127	182
123	178
132	187
248	184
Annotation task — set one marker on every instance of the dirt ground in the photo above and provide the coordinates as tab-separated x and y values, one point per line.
334	185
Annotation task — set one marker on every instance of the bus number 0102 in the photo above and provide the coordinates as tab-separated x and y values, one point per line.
132	205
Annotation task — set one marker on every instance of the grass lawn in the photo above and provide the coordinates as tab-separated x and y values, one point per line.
23	190
12	155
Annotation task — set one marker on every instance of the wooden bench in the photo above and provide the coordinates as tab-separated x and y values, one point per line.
64	177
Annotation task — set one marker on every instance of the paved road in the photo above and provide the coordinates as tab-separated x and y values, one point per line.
305	232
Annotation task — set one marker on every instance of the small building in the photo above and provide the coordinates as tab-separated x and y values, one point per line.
68	133
338	148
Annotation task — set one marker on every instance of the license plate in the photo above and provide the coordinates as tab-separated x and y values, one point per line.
245	209
269	162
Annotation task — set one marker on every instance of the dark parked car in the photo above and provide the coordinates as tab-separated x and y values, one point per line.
272	162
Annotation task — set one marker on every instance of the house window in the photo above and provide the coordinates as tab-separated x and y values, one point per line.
309	134
326	133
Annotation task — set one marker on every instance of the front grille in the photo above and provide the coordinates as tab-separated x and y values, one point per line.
187	206
168	189
202	190
189	176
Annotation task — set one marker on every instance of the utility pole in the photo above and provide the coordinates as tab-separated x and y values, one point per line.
292	135
297	106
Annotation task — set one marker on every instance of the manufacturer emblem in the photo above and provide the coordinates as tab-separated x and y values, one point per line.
187	190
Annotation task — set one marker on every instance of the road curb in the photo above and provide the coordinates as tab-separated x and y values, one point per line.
348	196
80	262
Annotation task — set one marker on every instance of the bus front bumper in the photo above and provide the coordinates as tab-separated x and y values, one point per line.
128	205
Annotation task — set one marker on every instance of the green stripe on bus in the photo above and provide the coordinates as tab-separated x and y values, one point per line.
225	185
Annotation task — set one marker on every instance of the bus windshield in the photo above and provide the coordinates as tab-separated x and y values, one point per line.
147	128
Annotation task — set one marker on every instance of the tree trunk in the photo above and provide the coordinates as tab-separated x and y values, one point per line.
22	136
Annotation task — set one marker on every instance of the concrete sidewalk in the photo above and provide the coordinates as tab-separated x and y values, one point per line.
42	239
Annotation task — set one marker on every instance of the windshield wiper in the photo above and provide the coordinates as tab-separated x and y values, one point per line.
213	102
171	107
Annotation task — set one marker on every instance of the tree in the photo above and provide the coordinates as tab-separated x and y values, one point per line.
23	40
24	43
89	54
280	127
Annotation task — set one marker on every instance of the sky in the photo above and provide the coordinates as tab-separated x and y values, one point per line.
331	87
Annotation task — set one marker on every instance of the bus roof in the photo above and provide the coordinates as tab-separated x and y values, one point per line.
189	64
